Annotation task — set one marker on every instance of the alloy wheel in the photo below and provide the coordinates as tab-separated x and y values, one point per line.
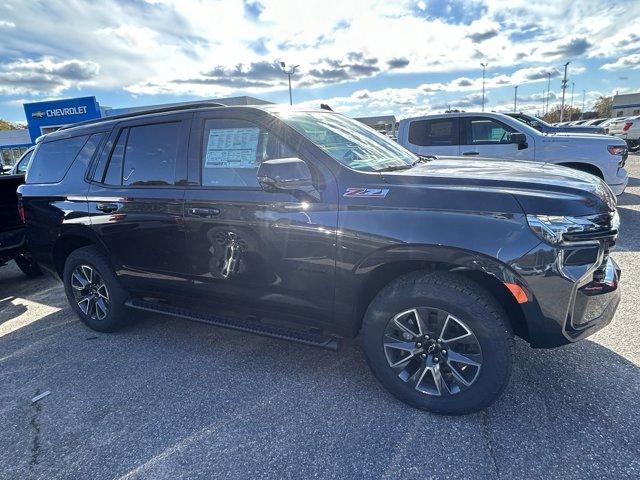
433	351
90	292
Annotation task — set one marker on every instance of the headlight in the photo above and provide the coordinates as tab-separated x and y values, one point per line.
617	149
553	228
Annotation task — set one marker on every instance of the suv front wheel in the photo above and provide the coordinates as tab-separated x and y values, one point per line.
439	342
93	290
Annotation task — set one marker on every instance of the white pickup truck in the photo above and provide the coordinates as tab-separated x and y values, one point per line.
494	135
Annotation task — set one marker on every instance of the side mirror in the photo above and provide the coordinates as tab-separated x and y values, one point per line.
286	175
520	139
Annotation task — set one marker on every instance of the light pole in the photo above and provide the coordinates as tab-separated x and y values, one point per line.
515	99
573	85
548	90
564	88
584	93
289	71
484	66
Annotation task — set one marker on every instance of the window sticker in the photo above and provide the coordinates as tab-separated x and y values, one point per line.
232	148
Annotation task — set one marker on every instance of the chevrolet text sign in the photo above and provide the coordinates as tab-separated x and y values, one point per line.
59	112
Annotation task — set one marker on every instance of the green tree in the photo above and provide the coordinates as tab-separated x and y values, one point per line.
553	115
604	107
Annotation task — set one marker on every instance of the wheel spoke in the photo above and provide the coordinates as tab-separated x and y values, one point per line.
78	281
397	321
84	304
103	292
457	376
398	345
459	358
438	379
87	271
444	327
101	308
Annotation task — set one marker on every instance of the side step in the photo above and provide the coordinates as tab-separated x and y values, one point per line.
255	327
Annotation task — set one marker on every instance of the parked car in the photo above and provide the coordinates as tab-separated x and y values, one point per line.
12	231
499	136
545	127
21	166
606	124
306	225
629	130
595	121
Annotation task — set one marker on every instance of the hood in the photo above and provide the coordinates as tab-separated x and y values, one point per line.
539	188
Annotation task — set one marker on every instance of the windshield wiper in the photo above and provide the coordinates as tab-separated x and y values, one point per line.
395	168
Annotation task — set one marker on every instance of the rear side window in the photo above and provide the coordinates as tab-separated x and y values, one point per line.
24	163
145	155
51	160
434	133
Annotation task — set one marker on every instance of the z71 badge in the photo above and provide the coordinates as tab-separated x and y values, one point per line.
366	192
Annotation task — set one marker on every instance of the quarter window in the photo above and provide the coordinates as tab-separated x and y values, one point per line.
51	160
232	150
432	133
486	131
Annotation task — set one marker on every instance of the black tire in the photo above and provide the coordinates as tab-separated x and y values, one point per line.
117	313
460	299
28	266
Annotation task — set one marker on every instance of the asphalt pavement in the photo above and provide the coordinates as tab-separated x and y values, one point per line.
166	398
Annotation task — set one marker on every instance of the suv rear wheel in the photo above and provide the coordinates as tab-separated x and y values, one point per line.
93	290
439	342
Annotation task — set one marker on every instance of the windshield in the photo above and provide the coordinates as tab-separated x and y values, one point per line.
348	141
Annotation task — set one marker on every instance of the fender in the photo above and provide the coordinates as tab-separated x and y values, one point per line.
381	266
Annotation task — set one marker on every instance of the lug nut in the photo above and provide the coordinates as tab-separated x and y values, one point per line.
444	352
426	337
424	355
418	345
436	359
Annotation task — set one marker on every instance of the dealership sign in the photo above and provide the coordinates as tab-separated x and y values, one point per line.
43	116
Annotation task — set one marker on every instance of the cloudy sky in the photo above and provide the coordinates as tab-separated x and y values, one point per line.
360	57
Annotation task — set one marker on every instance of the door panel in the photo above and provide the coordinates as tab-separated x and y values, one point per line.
254	251
141	222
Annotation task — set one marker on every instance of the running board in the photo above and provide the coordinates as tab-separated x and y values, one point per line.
255	327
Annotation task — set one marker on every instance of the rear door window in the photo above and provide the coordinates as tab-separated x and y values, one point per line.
434	133
145	155
51	160
23	165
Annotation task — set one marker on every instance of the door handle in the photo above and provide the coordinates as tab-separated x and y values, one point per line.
468	154
204	212
107	207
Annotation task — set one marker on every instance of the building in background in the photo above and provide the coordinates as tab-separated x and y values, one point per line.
626	105
46	117
385	124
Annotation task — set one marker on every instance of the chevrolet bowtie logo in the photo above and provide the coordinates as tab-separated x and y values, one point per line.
40	114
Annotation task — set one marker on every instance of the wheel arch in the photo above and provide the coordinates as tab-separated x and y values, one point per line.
584	167
491	275
71	240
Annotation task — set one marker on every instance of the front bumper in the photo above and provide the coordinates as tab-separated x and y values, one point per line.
568	302
621	180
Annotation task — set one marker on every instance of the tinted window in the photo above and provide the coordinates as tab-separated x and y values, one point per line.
51	160
151	153
438	132
232	150
486	131
24	163
113	175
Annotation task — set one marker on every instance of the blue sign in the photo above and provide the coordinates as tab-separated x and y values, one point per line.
43	117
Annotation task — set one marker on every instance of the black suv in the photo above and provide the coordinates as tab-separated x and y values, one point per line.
309	226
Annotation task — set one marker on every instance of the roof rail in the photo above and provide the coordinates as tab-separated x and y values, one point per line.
170	108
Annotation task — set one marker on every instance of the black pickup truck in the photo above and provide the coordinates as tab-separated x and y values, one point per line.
12	231
309	226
